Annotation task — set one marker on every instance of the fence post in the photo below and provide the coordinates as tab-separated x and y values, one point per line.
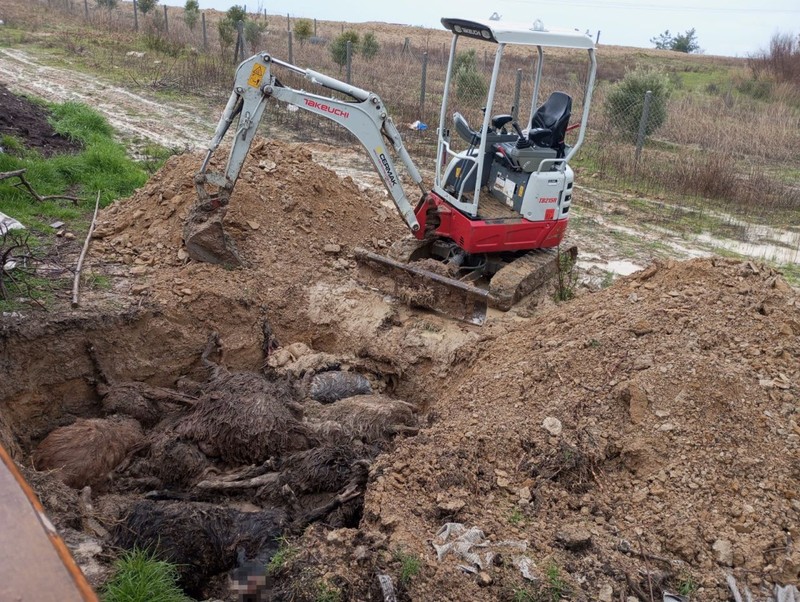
422	86
597	41
135	16
643	125
349	60
240	41
205	33
288	25
517	88
291	54
315	28
166	20
86	9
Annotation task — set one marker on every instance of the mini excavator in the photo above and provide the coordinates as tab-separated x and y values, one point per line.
498	210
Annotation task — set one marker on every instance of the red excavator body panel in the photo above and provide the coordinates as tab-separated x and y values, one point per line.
475	235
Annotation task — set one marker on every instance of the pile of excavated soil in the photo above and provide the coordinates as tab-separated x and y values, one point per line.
642	438
645	436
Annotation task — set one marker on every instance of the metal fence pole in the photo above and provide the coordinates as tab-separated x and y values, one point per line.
135	16
349	60
166	20
205	33
86	8
422	86
315	28
643	125
291	54
288	24
517	88
597	41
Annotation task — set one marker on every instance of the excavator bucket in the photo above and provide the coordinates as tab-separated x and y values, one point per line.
419	287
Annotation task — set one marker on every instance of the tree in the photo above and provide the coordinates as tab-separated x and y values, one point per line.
109	4
469	83
191	13
369	46
235	14
303	28
625	101
252	33
339	46
145	6
683	42
227	31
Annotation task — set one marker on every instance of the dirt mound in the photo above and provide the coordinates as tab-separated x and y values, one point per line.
644	436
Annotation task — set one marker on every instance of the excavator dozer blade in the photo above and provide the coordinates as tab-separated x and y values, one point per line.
419	287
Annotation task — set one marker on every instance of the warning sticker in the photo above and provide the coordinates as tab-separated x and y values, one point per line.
256	74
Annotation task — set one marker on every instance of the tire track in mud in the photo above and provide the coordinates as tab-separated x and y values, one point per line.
132	114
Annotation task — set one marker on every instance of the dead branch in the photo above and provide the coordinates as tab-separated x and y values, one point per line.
23	183
77	281
270	478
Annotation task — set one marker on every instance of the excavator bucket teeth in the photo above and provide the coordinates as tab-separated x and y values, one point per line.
526	274
419	287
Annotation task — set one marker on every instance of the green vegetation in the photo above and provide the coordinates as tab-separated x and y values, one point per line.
566	277
191	13
369	46
687	586
145	6
469	82
516	516
282	557
303	28
327	593
625	101
102	165
682	42
338	47
410	566
141	577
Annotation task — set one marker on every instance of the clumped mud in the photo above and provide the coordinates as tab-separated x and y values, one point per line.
640	438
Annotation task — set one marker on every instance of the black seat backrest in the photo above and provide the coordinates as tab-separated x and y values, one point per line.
466	132
549	122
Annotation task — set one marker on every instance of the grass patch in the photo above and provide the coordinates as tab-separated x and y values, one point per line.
141	577
791	272
410	566
103	166
282	557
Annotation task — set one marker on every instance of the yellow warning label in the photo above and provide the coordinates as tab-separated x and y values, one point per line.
521	189
256	74
458	171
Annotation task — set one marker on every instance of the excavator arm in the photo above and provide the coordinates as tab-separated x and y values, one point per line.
365	116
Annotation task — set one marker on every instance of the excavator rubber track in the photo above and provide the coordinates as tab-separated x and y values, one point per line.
420	287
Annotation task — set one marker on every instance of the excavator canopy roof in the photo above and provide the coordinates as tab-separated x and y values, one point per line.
506	32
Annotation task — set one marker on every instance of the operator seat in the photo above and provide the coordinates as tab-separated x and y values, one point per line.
549	122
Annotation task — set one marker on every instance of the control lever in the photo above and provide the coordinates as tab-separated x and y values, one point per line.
522	142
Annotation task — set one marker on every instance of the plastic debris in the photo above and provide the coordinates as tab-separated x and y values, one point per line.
8	223
417	125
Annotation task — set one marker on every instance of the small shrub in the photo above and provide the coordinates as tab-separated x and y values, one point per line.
567	277
303	28
227	32
252	33
235	14
369	46
145	6
338	47
327	593
191	13
469	83
141	577
625	101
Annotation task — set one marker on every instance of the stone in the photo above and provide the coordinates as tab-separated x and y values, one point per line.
642	328
332	249
552	426
723	552
450	508
253	225
484	579
574	538
606	593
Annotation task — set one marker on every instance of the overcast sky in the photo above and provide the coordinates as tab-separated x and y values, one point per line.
724	27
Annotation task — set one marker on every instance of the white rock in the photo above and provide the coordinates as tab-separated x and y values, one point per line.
552	426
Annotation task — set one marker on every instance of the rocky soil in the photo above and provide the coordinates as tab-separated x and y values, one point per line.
636	440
